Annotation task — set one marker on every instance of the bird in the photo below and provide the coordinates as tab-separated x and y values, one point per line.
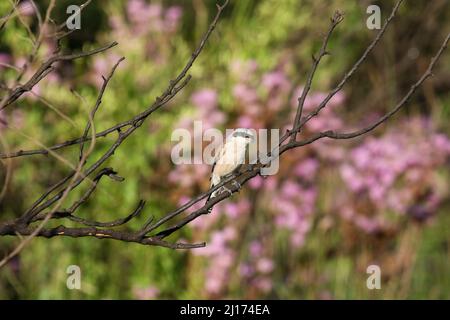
229	158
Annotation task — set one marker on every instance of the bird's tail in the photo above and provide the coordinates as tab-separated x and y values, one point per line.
211	195
215	180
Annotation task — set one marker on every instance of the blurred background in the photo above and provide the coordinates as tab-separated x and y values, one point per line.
311	231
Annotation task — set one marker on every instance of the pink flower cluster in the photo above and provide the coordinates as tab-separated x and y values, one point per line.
292	200
257	269
144	32
258	98
219	251
26	8
294	205
328	118
206	106
152	17
4	59
392	173
15	119
221	258
18	62
205	102
395	173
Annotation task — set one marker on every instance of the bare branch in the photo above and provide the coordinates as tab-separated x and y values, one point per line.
336	135
255	169
21	226
4	20
347	76
337	18
98	102
44	70
160	101
149	234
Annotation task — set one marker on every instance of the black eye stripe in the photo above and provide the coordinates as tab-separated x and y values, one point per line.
241	134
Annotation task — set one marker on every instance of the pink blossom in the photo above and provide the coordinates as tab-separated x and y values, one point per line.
231	209
347	213
20	62
297	239
442	142
384	169
184	200
361	157
245	122
245	94
154	10
255	248
205	99
337	99
147	293
172	18
313	100
253	110
351	178
270	183
246	270
224	260
213	119
368	225
116	22
264	265
235	209
4	58
229	233
290	189
206	221
244	205
26	8
324	121
377	193
244	69
18	118
213	285
256	182
275	80
218	243
263	283
145	17
307	169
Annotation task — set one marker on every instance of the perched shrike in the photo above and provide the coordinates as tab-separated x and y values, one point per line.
230	156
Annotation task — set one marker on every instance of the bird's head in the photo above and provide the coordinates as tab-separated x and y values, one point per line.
241	133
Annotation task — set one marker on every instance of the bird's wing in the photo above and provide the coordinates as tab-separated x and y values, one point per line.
218	156
212	170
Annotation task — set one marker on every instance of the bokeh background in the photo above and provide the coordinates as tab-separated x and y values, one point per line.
309	232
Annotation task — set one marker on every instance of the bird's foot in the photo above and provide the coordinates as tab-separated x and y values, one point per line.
236	184
225	189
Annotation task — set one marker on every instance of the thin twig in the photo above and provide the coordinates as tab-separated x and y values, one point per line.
44	70
337	18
